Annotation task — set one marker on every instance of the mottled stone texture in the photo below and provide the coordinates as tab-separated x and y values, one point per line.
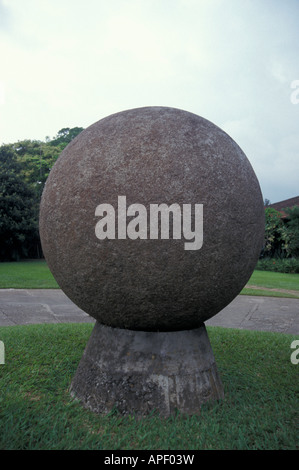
152	155
138	372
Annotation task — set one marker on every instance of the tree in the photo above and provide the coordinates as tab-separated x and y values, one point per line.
36	159
24	168
267	202
65	135
18	215
293	229
276	234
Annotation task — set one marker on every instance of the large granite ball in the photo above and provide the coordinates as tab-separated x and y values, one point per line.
152	219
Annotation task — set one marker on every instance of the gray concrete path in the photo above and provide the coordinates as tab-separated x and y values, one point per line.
28	306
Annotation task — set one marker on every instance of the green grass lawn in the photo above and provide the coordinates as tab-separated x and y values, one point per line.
26	275
259	411
273	280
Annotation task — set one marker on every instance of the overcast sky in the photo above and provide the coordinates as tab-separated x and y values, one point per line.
68	63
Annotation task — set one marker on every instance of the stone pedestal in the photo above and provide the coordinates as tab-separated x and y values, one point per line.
138	372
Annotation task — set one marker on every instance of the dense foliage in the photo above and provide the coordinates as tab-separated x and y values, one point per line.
281	234
24	168
281	245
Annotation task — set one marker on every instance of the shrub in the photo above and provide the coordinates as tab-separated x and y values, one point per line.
281	265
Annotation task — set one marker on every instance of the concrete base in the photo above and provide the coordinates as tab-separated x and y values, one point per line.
138	372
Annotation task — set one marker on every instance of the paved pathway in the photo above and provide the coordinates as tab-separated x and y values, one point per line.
28	306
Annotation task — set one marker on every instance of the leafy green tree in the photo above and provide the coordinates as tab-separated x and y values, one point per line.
18	214
24	168
276	234
267	202
293	230
65	135
36	159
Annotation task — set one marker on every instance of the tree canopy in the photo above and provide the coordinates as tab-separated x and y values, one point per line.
24	168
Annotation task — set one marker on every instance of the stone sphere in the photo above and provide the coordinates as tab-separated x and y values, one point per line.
152	219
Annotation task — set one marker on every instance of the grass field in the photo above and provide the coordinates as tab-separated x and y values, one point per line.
36	275
273	284
275	280
259	411
26	275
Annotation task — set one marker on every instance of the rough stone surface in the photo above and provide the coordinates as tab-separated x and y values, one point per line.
140	372
152	155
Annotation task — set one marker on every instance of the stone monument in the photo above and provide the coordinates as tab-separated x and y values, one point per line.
151	221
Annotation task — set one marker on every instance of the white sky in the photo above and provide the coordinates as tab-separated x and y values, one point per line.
67	63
